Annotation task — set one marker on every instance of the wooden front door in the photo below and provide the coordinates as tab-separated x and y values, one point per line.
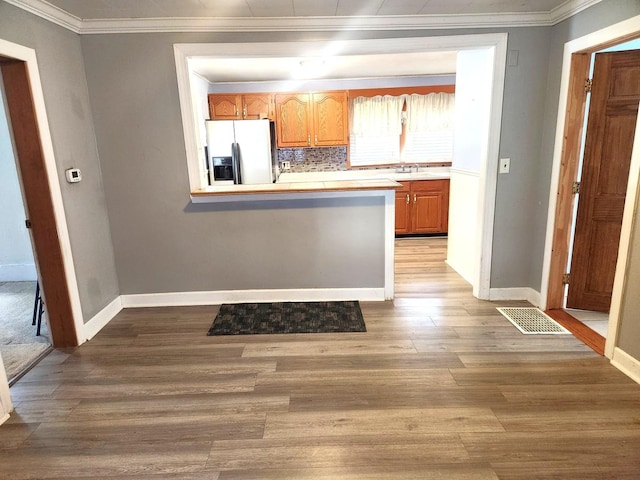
607	156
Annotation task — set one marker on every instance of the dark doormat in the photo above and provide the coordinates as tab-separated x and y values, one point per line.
288	317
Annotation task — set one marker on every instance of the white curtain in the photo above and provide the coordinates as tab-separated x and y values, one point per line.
376	116
430	113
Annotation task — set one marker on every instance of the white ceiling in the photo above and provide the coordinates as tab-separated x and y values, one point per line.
120	9
221	70
133	16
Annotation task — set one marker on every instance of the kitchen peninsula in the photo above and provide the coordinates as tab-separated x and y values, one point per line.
354	225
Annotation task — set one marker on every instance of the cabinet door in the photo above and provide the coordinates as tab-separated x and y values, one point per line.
257	106
403	209
293	120
330	120
430	200
225	107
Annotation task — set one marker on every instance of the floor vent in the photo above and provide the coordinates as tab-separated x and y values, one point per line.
532	321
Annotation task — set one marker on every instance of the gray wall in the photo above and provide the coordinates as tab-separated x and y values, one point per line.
163	243
65	92
629	330
515	234
139	134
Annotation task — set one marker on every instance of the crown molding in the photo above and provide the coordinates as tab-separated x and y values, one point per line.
49	12
60	17
570	8
311	24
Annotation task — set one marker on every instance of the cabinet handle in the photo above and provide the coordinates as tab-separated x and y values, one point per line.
316	139
407	199
244	112
414	198
309	139
236	107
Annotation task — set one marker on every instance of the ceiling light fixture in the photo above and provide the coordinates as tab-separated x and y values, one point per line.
313	67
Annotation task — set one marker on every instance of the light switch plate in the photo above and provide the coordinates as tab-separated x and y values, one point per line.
505	165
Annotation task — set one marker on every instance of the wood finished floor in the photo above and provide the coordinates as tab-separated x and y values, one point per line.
440	387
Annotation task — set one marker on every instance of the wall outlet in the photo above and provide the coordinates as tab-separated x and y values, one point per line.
286	165
505	165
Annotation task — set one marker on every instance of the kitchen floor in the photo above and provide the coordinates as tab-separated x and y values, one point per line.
441	386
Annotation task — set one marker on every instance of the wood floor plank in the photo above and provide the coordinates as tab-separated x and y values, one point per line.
441	386
574	394
321	452
128	433
389	421
364	379
535	375
346	363
335	347
83	388
179	405
383	397
461	471
555	418
108	460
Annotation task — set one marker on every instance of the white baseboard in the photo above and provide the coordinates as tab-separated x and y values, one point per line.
18	273
104	316
626	364
174	299
518	293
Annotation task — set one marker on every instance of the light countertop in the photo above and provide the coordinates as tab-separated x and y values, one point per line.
424	173
317	183
299	187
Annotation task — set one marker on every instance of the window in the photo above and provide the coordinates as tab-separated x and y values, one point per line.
378	136
376	126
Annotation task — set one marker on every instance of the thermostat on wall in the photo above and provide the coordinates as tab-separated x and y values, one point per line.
74	175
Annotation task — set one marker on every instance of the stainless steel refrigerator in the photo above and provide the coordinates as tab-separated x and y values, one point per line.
251	146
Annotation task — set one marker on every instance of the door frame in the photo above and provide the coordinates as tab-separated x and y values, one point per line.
43	195
569	129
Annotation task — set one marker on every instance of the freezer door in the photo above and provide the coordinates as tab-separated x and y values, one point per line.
219	137
254	140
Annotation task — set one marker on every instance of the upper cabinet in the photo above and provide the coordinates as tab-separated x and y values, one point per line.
258	105
225	107
248	106
312	119
293	120
330	118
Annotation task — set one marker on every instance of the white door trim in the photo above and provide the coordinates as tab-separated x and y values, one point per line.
28	55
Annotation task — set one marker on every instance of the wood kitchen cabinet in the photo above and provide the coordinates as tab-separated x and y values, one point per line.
422	206
403	209
225	107
317	119
247	106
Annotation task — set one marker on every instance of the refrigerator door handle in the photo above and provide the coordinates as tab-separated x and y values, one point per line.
235	163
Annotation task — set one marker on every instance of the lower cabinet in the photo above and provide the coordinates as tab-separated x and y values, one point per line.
422	206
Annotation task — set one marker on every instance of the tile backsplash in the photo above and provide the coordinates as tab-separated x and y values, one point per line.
323	159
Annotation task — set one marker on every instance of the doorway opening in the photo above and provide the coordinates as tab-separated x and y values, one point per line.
24	333
598	122
33	149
